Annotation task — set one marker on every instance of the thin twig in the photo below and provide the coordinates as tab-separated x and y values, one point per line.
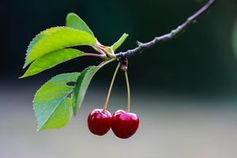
174	33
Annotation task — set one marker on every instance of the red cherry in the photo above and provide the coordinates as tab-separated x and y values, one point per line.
99	121
124	124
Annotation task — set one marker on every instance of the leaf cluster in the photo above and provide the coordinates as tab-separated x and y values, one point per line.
56	100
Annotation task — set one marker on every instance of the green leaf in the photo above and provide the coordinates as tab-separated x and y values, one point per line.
74	21
56	38
117	44
81	86
52	59
52	106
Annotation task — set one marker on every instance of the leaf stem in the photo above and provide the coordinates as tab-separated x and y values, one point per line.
95	55
128	91
111	86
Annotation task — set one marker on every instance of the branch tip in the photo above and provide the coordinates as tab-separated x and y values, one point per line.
166	37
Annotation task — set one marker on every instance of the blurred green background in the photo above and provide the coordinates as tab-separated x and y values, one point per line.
184	90
200	62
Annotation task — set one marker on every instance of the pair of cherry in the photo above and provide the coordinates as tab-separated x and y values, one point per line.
123	123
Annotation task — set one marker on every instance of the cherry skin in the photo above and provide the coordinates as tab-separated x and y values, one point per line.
99	121
124	124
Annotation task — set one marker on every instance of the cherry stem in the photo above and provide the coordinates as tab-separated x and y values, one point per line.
128	91
111	86
105	62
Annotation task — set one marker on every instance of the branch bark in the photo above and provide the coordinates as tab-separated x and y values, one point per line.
174	33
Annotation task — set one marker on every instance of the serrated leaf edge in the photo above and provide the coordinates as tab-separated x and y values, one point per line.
41	34
88	30
39	128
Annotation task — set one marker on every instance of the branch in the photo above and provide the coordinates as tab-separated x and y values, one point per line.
174	33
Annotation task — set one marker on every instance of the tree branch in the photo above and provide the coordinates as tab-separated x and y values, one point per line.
174	33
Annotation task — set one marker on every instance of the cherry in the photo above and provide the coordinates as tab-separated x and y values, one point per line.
124	124
99	121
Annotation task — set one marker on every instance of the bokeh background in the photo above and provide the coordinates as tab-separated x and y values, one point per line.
184	90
